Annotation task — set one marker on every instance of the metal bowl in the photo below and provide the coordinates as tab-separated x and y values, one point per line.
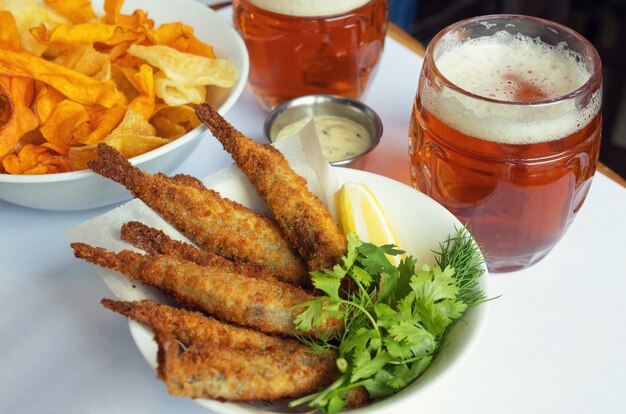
310	106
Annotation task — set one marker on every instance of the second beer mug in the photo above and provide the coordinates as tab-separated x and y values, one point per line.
505	131
303	47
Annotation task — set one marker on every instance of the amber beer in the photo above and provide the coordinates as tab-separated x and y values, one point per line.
301	47
505	131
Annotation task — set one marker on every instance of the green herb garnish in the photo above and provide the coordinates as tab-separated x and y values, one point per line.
395	317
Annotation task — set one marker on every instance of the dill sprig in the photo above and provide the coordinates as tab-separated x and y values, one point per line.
463	255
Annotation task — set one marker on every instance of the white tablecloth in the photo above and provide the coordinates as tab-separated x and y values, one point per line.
554	341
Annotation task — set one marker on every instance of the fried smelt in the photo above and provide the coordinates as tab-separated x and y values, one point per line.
203	370
155	241
227	362
302	217
213	222
266	305
191	327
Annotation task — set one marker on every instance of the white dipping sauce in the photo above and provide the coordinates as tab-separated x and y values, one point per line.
340	138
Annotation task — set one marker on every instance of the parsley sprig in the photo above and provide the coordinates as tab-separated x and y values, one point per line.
395	317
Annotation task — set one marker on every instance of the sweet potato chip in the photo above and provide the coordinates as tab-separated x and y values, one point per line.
185	68
113	15
112	9
63	36
72	84
9	35
128	144
124	81
132	137
181	37
144	104
35	159
45	102
121	58
138	20
61	123
77	11
100	125
16	96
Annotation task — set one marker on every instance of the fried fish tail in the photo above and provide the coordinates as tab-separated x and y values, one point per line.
213	222
205	370
266	305
126	262
301	216
155	241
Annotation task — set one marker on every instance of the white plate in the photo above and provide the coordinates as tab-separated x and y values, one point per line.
420	225
79	190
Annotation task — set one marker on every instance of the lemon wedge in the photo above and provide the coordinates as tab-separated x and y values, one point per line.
359	212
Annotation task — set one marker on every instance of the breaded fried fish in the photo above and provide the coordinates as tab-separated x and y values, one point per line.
224	361
204	370
302	217
155	241
263	304
213	222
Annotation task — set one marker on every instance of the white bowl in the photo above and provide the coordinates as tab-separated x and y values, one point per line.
79	190
420	224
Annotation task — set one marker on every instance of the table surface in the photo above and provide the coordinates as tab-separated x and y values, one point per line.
553	343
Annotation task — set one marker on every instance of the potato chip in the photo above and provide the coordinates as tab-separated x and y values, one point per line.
16	95
134	124
72	84
131	145
61	123
84	59
77	11
174	121
175	93
185	68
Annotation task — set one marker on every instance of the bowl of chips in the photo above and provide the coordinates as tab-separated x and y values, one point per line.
125	73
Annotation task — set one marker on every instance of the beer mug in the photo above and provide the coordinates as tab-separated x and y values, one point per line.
303	47
505	131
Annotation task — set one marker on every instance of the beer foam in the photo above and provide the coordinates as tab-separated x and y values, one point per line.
309	8
505	67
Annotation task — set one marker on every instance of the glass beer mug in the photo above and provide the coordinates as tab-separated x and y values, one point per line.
302	47
505	131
